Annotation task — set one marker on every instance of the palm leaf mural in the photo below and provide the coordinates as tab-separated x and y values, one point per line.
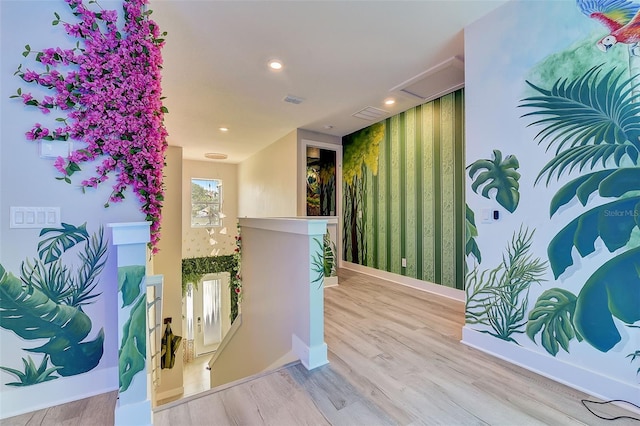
593	123
32	315
317	263
497	298
500	175
32	375
330	263
45	304
589	111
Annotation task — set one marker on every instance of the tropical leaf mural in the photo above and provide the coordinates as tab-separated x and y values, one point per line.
593	123
45	304
132	353
471	232
499	175
498	298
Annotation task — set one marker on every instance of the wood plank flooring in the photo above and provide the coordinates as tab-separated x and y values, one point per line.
395	359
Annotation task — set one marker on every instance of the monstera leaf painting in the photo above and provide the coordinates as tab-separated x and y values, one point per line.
31	315
45	305
499	175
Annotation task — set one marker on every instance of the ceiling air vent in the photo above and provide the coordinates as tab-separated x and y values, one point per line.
435	82
293	99
371	114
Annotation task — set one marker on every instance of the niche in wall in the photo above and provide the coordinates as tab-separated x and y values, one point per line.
321	182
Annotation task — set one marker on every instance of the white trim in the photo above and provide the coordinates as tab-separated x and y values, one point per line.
441	290
129	232
290	225
310	357
572	375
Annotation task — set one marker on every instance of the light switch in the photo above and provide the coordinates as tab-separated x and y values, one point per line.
34	217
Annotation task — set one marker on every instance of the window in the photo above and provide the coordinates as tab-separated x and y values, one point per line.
206	203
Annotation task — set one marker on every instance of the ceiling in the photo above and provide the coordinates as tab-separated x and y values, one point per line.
339	57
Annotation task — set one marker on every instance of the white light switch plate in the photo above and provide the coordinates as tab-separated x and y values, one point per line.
34	217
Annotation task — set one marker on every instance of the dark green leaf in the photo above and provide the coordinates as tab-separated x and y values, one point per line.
51	248
553	316
130	282
499	175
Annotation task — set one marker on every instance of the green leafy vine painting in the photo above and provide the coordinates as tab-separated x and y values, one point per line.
593	123
498	298
45	304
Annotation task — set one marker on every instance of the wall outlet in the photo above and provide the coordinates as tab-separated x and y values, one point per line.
404	262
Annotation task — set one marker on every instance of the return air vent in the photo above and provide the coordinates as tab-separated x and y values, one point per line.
371	114
435	82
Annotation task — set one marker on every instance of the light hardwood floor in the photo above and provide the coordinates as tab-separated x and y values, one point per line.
395	359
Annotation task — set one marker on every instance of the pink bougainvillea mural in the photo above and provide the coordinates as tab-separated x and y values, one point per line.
107	91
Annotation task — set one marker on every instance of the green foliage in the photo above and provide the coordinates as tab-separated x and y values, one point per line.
51	248
499	175
317	263
635	355
330	264
132	353
592	121
194	268
498	298
612	222
129	279
361	150
583	118
30	314
32	375
57	282
613	291
553	316
471	246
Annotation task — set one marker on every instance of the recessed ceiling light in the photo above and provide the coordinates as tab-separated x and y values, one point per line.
328	126
275	64
389	101
224	129
216	156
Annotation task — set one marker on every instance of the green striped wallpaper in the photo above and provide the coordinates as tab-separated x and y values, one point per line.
413	207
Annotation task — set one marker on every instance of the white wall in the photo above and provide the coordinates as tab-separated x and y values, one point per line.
197	242
28	180
168	262
267	181
559	43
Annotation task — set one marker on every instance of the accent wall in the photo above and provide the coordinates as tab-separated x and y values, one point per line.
59	343
403	191
553	137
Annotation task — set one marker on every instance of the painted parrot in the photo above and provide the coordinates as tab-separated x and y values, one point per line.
621	17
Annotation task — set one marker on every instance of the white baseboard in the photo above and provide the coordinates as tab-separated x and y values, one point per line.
451	293
588	381
21	400
310	357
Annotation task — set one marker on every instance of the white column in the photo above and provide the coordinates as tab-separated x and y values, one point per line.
134	404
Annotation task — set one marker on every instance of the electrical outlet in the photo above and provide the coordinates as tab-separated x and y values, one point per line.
404	262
